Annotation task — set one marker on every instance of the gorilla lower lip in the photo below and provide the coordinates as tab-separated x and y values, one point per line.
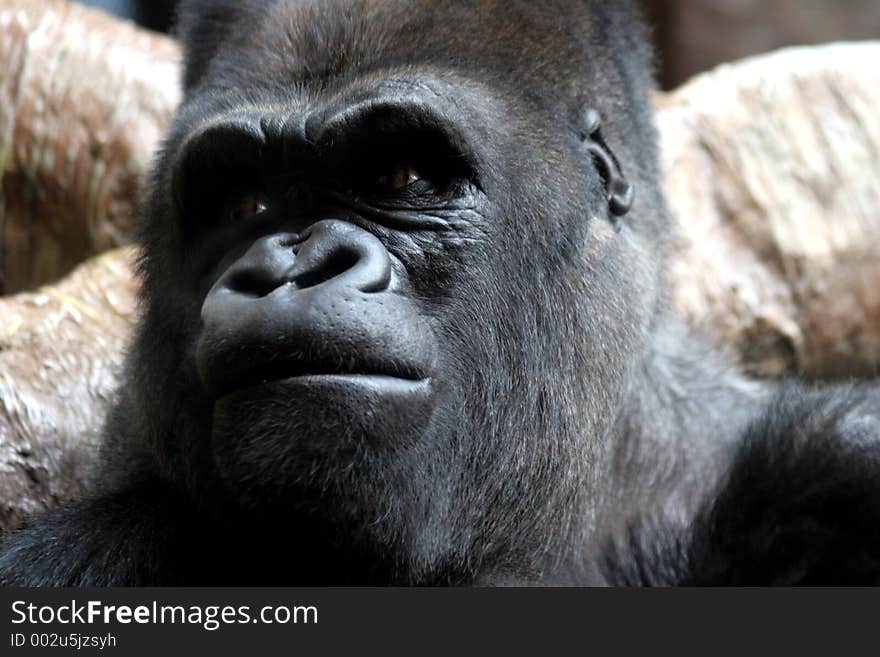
356	378
373	381
376	381
328	399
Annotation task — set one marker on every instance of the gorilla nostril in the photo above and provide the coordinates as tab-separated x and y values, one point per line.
336	263
252	283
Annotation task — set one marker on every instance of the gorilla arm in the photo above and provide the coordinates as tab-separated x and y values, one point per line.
118	539
800	505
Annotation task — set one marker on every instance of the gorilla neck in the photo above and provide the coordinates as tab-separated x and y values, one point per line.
678	428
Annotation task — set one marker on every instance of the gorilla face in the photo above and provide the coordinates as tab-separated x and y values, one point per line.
383	285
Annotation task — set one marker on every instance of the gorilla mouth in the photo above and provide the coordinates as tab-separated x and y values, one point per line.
390	375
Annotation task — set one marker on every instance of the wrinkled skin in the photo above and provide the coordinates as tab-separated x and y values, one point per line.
404	325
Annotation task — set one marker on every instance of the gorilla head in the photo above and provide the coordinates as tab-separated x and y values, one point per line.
391	304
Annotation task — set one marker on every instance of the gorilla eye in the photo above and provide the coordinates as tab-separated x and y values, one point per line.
246	206
398	177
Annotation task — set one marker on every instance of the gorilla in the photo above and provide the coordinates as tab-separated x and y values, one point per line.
405	322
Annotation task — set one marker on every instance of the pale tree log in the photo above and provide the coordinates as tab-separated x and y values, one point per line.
772	175
83	99
61	349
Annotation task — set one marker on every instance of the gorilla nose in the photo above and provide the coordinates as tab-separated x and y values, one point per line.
339	251
330	252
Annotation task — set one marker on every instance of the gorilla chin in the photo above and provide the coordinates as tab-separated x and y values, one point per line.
330	453
270	435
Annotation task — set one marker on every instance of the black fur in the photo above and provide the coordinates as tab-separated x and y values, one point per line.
800	505
571	432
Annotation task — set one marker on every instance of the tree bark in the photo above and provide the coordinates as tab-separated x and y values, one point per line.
83	100
61	349
772	177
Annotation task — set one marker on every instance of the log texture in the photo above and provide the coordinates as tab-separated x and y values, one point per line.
61	349
773	178
83	99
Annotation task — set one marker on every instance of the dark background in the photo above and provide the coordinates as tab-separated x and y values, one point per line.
691	35
155	14
696	35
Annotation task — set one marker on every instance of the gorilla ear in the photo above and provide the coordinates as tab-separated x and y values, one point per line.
620	192
202	26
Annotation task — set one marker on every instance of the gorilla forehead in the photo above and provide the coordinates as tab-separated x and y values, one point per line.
557	46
